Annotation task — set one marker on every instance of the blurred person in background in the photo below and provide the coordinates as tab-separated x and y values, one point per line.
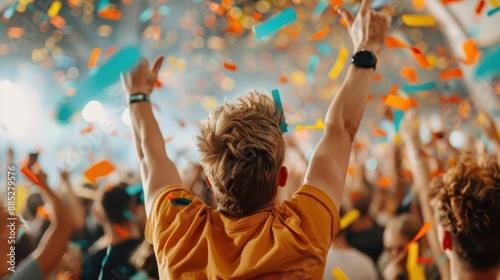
397	234
348	259
109	257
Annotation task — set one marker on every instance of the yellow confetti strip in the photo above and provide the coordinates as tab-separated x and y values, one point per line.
419	20
339	64
481	119
415	272
339	274
349	218
494	3
397	139
318	126
171	60
54	9
208	103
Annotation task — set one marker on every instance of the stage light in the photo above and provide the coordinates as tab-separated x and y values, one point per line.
93	111
126	117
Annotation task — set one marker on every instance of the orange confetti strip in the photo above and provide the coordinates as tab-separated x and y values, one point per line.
450	99
354	196
158	84
343	22
446	2
111	50
126	2
397	102
410	74
369	97
320	34
384	182
480	7
418	4
15	32
229	66
216	8
336	3
472	53
351	170
99	169
413	103
93	57
156	33
282	79
377	77
168	139
40	210
58	22
234	26
257	16
121	231
378	132
407	174
394	90
88	129
393	42
450	74
358	146
111	14
423	230
32	177
424	260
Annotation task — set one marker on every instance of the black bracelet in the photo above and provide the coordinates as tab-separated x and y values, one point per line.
138	97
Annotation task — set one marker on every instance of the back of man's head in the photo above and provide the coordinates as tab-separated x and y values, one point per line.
242	150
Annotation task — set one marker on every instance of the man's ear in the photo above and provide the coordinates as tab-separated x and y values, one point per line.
208	182
282	176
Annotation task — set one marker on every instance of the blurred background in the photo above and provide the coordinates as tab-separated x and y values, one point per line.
60	64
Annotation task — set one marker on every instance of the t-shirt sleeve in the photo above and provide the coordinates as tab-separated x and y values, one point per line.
319	217
27	270
168	206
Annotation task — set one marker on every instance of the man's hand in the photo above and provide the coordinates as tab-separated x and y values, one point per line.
141	79
488	126
368	29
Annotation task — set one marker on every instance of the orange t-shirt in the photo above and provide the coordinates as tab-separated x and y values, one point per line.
193	241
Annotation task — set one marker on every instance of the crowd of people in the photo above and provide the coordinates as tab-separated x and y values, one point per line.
255	207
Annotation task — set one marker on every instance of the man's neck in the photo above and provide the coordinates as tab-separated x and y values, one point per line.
460	272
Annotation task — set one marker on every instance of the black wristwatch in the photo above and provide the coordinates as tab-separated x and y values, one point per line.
364	59
138	97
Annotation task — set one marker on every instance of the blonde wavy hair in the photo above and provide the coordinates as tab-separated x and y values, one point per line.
467	201
242	150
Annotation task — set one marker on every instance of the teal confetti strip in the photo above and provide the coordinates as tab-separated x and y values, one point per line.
180	201
414	88
313	64
409	197
441	259
146	15
494	11
489	64
320	7
164	10
102	5
324	49
398	116
377	4
134	189
371	164
272	25
277	101
9	12
129	216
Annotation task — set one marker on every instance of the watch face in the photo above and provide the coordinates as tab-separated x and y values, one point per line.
365	58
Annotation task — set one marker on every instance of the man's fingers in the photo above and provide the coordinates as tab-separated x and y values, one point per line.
157	65
347	15
365	6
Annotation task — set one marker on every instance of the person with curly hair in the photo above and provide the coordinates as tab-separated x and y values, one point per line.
466	201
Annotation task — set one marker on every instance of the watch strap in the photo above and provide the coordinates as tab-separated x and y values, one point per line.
138	97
